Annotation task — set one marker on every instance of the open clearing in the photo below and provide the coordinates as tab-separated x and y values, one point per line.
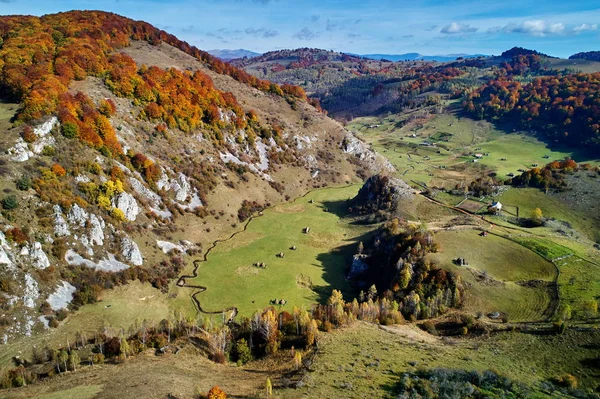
495	266
458	139
319	261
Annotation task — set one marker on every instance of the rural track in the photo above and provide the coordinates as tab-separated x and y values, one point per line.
181	281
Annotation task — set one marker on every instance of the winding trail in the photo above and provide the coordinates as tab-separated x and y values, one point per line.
181	282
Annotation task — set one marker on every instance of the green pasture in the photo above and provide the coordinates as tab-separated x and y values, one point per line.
504	263
303	276
457	140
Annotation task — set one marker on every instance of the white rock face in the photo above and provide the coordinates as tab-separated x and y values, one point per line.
4	258
262	155
145	192
110	264
303	142
352	145
96	233
163	182
82	179
131	251
38	257
125	202
38	145
45	322
167	246
31	292
62	296
229	157
20	152
162	214
182	187
46	127
78	216
61	228
28	327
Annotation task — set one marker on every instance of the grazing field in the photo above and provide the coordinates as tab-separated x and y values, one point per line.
497	274
367	360
407	144
303	276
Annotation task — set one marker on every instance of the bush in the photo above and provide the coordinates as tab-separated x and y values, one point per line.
566	380
28	135
70	130
49	151
216	393
10	202
23	183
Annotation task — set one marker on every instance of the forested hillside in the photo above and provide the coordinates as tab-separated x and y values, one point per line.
565	109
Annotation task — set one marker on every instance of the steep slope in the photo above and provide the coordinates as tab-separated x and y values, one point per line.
126	149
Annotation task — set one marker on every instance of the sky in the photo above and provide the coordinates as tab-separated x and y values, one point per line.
430	27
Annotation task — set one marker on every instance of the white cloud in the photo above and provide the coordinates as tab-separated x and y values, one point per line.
584	27
536	28
455	28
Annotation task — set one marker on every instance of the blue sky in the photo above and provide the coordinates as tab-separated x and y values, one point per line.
556	27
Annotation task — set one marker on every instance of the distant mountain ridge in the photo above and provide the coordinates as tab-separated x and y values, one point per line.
418	56
226	54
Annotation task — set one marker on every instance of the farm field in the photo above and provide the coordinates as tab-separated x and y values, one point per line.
303	276
495	265
458	139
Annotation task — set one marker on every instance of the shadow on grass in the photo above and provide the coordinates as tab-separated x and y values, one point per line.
339	208
335	265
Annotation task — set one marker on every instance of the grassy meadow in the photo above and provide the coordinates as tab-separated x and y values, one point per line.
458	139
303	276
495	266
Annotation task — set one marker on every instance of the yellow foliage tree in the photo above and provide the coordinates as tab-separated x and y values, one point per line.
216	393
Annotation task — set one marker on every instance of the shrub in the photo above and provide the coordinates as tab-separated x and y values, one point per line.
10	202
16	235
566	380
28	135
23	183
58	170
70	130
49	151
216	393
118	214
